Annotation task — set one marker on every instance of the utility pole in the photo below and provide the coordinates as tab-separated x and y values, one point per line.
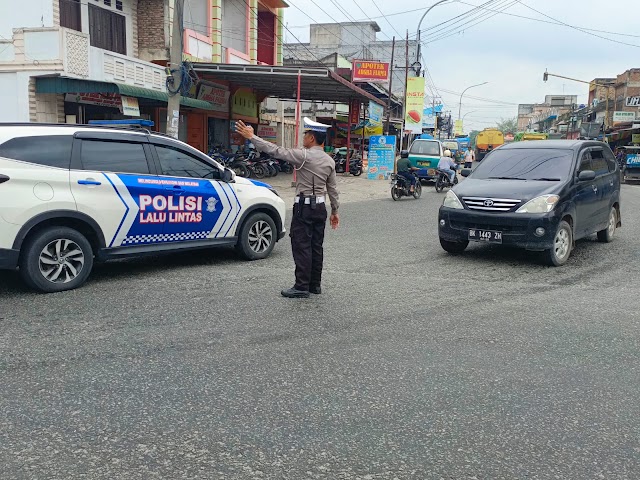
175	62
393	51
406	85
546	76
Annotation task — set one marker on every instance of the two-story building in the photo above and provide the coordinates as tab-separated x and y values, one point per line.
79	60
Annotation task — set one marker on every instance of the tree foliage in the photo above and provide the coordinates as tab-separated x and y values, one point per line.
508	125
472	137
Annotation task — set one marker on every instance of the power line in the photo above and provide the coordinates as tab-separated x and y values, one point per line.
387	20
577	28
556	22
361	44
480	19
501	102
457	19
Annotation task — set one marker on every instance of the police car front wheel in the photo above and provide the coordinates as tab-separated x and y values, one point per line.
56	259
258	236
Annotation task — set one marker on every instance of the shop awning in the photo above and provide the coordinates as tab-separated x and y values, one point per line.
316	83
74	85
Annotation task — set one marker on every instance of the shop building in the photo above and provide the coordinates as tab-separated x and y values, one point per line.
75	60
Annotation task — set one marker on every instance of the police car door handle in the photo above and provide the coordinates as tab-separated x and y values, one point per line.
89	181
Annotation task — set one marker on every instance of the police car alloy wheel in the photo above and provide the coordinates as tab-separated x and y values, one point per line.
257	237
56	259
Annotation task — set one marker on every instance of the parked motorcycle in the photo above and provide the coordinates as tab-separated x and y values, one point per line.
400	187
355	165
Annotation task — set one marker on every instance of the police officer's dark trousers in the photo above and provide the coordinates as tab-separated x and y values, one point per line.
307	237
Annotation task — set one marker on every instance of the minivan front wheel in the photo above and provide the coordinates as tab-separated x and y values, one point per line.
56	259
606	235
562	245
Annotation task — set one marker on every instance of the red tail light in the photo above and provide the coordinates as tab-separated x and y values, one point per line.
3	178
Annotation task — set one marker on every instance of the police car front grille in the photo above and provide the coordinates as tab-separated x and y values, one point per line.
487	204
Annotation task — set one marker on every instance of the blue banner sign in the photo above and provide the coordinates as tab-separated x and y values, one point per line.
382	157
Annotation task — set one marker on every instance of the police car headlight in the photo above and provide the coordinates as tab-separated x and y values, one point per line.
542	204
274	191
451	200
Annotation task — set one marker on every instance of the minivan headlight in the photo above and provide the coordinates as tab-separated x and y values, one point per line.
451	200
542	204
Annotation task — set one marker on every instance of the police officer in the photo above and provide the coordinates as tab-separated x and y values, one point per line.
316	177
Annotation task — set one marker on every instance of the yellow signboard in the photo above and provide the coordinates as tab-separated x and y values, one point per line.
414	104
457	128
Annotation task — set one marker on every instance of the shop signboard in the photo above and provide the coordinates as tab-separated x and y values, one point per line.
216	95
458	128
623	117
245	103
111	100
370	71
635	138
429	116
268	132
633	101
382	156
376	112
130	106
354	112
414	104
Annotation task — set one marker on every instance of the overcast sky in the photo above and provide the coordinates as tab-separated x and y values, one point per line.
509	52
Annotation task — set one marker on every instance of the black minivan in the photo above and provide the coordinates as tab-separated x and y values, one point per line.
538	195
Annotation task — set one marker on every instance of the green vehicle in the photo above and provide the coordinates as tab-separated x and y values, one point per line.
424	154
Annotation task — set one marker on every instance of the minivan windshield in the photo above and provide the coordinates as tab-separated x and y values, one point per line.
542	164
425	147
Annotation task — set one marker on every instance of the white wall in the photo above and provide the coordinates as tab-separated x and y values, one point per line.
14	96
42	45
28	13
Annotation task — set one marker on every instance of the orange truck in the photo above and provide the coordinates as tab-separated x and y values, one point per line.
487	140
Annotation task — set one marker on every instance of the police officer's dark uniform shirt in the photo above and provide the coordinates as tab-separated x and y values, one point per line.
316	171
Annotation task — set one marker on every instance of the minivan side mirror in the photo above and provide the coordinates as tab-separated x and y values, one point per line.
586	175
465	172
404	154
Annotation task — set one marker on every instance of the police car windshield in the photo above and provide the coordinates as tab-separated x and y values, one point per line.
425	147
526	164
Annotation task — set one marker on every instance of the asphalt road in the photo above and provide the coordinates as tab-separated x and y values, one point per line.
412	364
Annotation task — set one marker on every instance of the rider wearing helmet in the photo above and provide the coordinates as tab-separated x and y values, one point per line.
447	165
404	169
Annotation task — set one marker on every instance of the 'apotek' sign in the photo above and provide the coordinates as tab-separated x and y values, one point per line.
365	71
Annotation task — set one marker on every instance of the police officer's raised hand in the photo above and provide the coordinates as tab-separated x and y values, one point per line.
245	130
335	221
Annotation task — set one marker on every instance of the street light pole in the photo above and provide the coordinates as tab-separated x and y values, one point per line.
463	92
420	24
465	115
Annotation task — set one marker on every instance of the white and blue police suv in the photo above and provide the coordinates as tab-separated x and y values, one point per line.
70	195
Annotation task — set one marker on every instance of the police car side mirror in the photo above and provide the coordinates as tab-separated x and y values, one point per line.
228	175
404	154
465	172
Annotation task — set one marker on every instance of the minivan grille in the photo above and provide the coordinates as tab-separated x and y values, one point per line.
490	204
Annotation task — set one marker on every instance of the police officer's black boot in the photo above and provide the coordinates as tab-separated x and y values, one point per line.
293	293
316	290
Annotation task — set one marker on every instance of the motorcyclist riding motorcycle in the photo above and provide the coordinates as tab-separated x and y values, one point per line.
404	169
447	165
